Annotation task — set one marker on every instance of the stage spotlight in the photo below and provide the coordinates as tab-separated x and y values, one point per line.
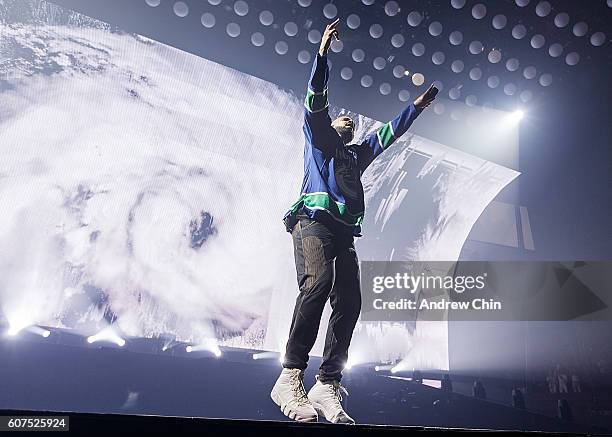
107	334
39	331
514	117
209	345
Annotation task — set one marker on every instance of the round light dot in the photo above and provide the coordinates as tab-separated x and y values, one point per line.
438	58
530	72
353	21
435	28
555	50
598	39
572	58
562	19
399	71
414	18
538	41
454	93
522	3
493	82
397	40
266	18
457	66
181	9
337	46
580	29
455	38
404	95
367	81
457	4
475	73
367	2
526	96
358	55
257	39
455	115
241	8
479	11
314	36
208	20
233	30
512	64
214	2
439	108
543	9
281	47
609	2
346	73
385	89
304	3
379	63
418	79
546	79
519	31
471	100
418	49
438	85
376	30
494	56
510	89
392	8
330	11
476	47
153	3
291	29
304	57
499	22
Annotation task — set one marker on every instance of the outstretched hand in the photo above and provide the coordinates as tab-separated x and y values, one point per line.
326	39
425	99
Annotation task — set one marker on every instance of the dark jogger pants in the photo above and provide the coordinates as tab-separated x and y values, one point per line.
327	267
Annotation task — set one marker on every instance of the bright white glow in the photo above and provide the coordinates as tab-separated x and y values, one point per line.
266	355
13	331
513	118
394	369
209	345
107	335
39	331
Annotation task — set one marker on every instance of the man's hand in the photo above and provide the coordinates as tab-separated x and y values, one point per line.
425	99
326	39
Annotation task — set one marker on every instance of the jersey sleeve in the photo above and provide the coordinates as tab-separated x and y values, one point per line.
317	122
376	142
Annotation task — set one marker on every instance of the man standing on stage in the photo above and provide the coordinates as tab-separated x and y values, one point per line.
323	224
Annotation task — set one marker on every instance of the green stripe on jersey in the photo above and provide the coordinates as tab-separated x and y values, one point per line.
322	201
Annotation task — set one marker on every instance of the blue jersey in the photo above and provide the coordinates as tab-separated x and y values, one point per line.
331	188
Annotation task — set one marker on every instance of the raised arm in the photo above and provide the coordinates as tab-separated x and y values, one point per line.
376	142
316	115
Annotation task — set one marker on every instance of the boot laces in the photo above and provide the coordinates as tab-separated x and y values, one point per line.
297	386
337	390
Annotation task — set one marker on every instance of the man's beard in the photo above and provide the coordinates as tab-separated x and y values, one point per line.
346	134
